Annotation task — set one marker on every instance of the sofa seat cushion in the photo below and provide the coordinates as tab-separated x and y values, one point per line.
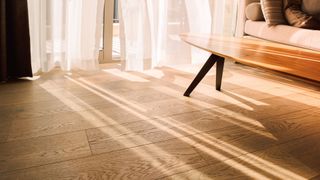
285	34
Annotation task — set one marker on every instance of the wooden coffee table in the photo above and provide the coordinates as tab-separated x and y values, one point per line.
289	59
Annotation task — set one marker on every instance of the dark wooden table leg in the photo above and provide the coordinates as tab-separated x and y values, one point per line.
219	73
204	70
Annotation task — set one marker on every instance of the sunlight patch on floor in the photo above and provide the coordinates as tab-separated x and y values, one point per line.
125	75
97	118
225	147
230	116
253	160
122	103
155	73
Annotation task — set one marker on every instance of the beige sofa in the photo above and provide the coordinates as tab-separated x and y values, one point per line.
281	33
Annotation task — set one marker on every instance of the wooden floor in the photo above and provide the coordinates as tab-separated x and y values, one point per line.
129	125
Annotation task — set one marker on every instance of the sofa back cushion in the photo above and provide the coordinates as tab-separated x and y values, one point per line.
298	18
287	3
254	12
273	12
312	7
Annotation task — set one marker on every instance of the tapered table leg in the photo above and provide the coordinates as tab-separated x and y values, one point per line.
204	70
219	73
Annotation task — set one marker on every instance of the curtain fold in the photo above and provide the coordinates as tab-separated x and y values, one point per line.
65	34
15	59
149	29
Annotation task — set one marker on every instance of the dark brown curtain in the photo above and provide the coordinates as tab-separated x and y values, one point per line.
15	55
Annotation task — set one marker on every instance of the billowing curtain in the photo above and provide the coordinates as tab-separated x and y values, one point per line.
149	29
15	59
65	33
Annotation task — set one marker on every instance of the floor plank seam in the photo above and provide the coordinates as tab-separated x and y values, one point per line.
45	136
104	126
89	145
124	149
181	130
236	157
154	118
174	114
99	154
42	165
282	114
248	152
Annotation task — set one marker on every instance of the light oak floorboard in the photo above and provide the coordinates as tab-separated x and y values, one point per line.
146	162
111	124
35	152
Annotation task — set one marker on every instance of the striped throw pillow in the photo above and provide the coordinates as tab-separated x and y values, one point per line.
273	12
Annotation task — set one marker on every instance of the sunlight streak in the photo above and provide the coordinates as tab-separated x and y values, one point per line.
234	151
189	141
99	119
135	106
34	78
158	74
207	90
125	75
111	94
251	100
240	120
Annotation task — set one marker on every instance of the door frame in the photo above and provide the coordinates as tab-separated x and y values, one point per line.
106	55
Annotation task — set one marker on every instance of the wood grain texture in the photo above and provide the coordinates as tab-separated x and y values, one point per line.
111	124
111	138
294	125
52	124
34	152
305	150
146	162
275	56
32	110
272	163
272	106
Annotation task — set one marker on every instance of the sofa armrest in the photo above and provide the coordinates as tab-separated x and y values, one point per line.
241	17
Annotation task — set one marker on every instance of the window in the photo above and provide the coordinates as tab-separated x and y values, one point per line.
116	12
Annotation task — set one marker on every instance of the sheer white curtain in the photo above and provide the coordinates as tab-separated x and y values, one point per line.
65	33
149	29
